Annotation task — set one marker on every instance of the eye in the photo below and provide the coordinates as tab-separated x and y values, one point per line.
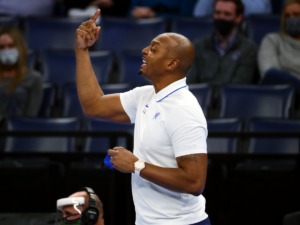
153	50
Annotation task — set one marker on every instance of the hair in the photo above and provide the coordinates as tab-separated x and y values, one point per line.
239	5
21	46
282	19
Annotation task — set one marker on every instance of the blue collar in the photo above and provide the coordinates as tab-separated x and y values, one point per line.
170	89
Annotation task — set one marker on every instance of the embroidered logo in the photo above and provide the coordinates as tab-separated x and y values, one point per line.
156	115
145	110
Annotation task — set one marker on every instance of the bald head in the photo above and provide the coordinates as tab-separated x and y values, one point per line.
182	49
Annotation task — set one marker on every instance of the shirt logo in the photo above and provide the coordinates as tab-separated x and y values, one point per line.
156	115
145	110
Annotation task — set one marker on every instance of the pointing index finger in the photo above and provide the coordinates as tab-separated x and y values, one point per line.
96	15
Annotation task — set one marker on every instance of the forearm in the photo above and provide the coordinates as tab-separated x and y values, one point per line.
88	87
175	179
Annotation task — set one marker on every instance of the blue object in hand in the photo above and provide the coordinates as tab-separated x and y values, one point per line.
107	162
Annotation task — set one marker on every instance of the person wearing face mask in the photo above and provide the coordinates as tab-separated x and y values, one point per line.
279	53
20	88
225	56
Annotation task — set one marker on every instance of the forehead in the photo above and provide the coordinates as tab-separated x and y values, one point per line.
6	38
225	6
293	7
162	40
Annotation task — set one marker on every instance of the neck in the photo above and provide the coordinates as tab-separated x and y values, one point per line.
166	81
224	39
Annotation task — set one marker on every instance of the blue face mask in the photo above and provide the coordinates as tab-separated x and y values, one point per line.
292	26
9	56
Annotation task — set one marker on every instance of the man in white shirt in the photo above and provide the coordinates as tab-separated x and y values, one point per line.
169	159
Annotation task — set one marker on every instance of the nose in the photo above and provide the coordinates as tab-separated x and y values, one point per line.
145	50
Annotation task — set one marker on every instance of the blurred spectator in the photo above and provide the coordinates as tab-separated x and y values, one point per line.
205	7
20	88
83	207
225	56
87	8
279	53
161	8
26	8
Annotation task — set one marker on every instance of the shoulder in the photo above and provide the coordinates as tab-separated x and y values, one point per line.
272	37
246	41
201	41
138	94
33	75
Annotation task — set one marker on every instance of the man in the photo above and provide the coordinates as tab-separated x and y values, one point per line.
225	57
169	159
83	207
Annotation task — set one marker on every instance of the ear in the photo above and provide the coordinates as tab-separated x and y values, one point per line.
239	19
173	64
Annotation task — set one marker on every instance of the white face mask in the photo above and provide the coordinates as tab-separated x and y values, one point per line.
9	56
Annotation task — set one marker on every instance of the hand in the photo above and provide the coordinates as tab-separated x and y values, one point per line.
88	33
122	159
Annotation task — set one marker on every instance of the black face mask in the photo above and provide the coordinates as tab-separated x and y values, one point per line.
224	27
292	26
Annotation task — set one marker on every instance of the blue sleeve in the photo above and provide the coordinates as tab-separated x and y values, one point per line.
203	8
257	7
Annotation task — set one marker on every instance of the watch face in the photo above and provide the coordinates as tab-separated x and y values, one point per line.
139	165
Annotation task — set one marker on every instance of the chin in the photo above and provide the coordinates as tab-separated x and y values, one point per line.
141	73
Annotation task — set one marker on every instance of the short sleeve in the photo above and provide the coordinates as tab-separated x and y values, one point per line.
187	129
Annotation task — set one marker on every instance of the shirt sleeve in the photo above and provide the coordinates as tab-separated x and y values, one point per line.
189	133
268	54
130	100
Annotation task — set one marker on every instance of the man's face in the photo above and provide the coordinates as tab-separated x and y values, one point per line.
72	212
292	11
156	56
226	11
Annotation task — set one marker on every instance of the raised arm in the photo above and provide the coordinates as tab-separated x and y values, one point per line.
93	101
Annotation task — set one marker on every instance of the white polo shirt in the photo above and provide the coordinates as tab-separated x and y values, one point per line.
168	124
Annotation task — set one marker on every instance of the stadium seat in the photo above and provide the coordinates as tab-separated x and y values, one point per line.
260	25
122	135
60	66
41	143
249	101
119	34
51	33
48	100
192	28
274	145
130	63
223	144
9	20
203	93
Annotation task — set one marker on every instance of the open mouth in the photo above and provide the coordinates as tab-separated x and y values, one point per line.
144	62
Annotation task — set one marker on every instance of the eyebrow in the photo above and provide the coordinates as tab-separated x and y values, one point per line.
154	42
